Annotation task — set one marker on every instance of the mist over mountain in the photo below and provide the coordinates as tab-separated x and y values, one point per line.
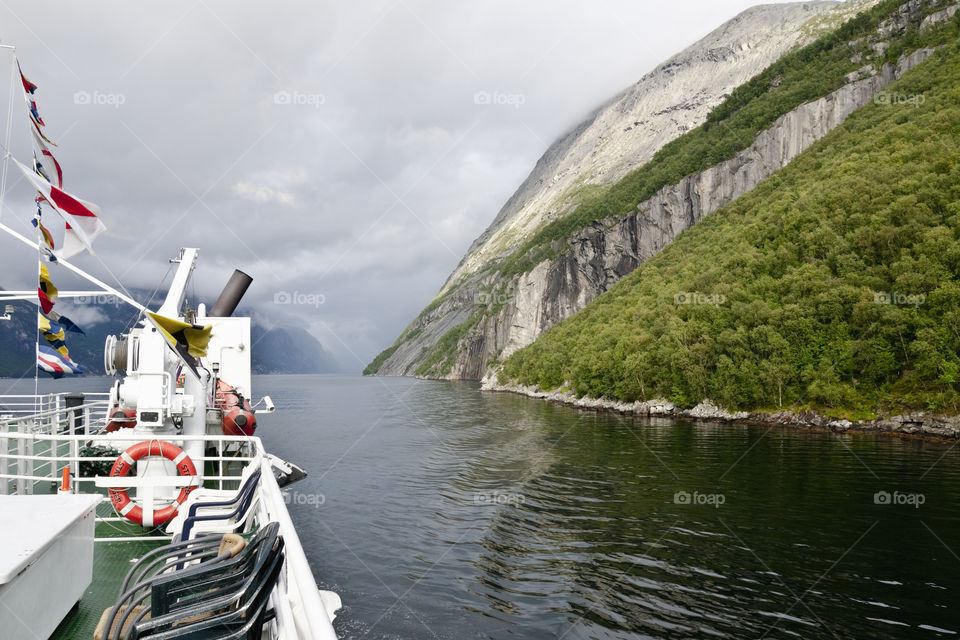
279	346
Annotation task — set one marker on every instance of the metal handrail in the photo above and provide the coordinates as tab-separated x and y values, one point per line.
61	412
26	467
303	606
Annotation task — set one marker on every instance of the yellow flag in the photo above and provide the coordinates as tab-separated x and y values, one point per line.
187	339
46	292
54	334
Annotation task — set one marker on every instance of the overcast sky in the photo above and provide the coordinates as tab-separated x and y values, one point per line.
334	150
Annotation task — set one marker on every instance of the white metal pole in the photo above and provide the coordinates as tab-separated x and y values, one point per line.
77	270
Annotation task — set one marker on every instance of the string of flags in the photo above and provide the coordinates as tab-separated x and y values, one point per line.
81	218
82	225
53	357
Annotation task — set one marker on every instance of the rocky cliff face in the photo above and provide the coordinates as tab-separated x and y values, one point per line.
624	133
498	317
608	250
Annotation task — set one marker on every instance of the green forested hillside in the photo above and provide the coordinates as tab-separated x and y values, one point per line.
834	284
803	75
800	76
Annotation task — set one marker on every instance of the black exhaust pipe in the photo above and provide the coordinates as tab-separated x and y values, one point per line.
230	297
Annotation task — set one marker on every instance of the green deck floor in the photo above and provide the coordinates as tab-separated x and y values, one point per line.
111	561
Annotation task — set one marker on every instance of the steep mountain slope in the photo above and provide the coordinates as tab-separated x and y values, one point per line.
618	137
624	133
834	284
605	234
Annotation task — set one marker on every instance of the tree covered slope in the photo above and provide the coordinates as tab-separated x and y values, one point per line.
833	284
603	232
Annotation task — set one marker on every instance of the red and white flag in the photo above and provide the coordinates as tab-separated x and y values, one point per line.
82	218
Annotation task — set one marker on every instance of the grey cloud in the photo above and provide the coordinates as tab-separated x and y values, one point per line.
336	148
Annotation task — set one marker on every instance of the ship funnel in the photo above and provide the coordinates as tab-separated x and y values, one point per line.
229	298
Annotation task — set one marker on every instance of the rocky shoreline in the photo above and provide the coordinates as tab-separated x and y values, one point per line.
919	424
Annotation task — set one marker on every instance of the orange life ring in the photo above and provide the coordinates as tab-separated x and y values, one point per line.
127	461
121	419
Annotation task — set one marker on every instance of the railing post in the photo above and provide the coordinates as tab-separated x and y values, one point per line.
25	483
4	451
53	447
74	452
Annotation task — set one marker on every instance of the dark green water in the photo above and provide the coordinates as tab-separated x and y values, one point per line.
451	513
438	511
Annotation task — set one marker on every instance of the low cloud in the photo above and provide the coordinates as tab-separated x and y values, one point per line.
367	185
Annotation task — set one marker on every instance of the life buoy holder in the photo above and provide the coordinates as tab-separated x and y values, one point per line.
128	461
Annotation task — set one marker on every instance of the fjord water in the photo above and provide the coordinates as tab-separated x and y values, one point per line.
439	511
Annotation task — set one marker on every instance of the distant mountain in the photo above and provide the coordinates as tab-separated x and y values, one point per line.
289	350
278	349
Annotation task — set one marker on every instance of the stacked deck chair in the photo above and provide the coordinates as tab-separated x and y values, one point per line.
213	587
209	511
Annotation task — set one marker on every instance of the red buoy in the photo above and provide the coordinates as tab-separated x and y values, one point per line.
121	419
238	418
239	422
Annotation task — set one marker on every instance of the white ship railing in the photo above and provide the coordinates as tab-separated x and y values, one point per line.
36	445
32	463
57	407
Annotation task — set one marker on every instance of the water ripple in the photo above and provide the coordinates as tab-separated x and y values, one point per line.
462	514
